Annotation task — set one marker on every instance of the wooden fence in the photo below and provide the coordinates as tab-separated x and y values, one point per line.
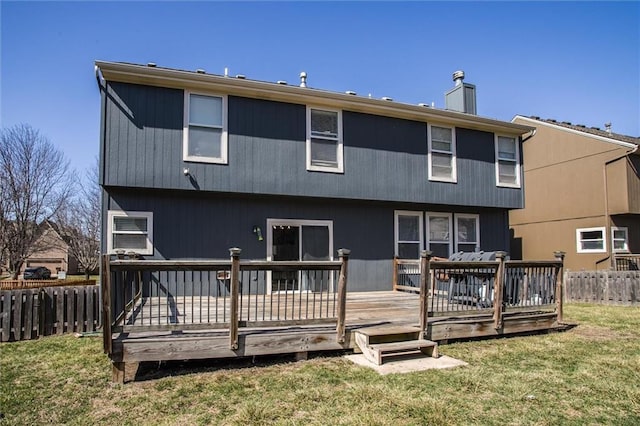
30	313
606	287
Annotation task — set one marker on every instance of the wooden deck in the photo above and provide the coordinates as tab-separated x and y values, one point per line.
364	309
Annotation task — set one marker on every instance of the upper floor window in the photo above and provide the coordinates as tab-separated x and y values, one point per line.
205	128
590	240
468	232
130	231
507	161
408	234
620	239
324	140
442	153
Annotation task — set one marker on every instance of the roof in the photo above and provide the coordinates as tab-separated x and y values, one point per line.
153	75
625	140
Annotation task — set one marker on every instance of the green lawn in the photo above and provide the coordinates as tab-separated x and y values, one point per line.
588	375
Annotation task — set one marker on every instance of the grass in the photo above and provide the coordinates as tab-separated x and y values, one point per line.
588	375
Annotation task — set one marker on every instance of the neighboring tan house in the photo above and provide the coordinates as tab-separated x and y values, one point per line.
193	163
52	252
582	194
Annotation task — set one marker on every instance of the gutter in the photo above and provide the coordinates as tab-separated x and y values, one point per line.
188	80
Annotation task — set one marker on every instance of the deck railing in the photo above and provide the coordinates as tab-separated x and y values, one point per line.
469	288
158	295
626	262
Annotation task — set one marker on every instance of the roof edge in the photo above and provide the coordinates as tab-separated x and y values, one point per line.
168	77
576	132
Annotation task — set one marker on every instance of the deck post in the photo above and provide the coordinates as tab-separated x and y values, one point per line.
395	273
559	255
105	284
498	293
425	285
342	294
233	308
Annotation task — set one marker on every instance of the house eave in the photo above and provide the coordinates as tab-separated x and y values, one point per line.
576	132
179	79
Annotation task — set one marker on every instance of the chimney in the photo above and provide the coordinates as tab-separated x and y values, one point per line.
607	127
462	97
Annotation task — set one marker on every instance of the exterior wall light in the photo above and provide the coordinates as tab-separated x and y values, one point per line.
258	232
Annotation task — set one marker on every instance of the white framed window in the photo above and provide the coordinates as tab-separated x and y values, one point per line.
591	240
439	233
130	231
205	137
507	161
324	140
467	232
442	153
620	240
408	234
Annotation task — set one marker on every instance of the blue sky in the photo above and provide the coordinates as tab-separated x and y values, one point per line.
572	61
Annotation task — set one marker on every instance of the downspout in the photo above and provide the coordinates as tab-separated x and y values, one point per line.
607	227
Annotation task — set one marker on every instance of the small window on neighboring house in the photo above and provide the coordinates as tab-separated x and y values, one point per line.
324	140
591	240
507	161
439	233
205	128
408	234
468	232
130	231
442	153
620	239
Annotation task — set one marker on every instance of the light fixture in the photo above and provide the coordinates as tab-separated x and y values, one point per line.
186	171
258	232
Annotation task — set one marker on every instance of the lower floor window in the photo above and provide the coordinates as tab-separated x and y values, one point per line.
620	239
130	231
441	239
590	240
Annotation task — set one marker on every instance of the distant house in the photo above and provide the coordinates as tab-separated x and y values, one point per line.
582	194
193	163
51	251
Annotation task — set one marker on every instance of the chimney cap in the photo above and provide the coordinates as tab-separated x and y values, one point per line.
458	75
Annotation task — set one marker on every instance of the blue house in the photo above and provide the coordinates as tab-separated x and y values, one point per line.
192	163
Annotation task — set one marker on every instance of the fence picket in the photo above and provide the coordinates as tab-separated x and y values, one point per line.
5	317
28	314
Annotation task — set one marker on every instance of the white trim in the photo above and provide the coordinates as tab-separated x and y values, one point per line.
449	216
626	239
340	145
224	137
498	159
396	230
467	216
111	214
454	174
298	223
579	240
577	132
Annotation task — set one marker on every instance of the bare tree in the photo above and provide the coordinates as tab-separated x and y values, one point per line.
34	184
78	223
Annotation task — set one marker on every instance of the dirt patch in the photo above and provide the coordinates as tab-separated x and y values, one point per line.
596	333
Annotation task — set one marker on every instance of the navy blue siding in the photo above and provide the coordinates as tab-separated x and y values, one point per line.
205	225
384	158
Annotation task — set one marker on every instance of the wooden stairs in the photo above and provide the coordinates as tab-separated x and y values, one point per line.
384	342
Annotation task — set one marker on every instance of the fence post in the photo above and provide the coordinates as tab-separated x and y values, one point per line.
498	292
233	308
425	285
342	294
559	255
105	284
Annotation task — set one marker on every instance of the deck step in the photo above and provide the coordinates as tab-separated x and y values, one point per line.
378	343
